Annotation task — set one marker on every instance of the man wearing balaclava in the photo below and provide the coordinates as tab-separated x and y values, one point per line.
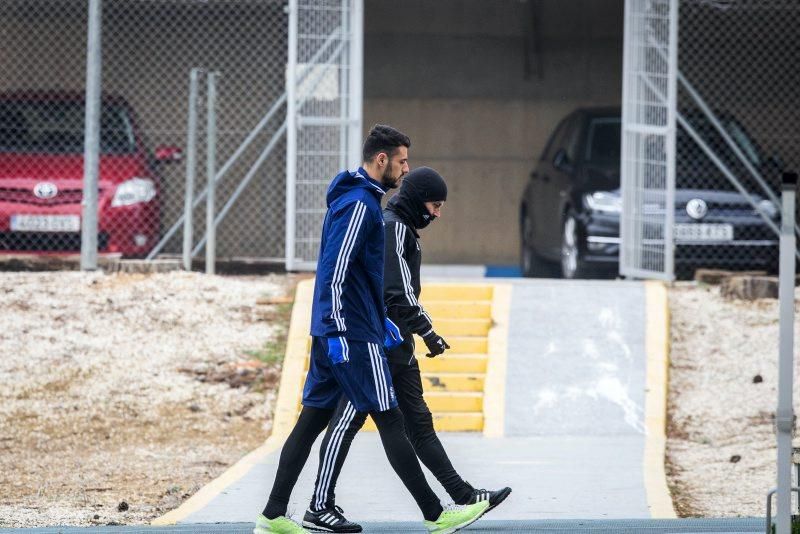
418	203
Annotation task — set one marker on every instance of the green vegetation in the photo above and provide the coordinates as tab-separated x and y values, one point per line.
278	315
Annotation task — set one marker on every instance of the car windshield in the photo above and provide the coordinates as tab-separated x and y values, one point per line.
712	137
57	127
603	142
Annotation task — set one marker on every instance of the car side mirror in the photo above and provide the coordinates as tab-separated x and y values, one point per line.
561	160
775	161
168	154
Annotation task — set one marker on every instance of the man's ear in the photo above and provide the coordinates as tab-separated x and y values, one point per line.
382	158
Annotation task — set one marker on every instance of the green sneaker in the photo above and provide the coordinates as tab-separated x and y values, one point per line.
456	517
281	524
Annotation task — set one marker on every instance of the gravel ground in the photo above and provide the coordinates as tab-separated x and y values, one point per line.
121	395
723	392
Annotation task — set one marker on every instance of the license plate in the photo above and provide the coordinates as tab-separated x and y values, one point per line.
703	232
45	223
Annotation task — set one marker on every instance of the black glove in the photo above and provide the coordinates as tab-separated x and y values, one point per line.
435	343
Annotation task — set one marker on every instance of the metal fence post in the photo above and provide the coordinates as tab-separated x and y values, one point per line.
191	171
211	139
344	78
356	83
91	157
291	135
785	415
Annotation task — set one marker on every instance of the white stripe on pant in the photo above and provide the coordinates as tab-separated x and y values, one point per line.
331	453
379	376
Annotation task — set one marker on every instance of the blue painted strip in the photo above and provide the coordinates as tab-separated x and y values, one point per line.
503	271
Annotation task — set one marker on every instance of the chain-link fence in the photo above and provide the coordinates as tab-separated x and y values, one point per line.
738	110
736	115
149	48
324	126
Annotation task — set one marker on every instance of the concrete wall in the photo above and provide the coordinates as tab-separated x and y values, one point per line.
479	86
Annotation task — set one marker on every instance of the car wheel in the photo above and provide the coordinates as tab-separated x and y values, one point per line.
531	264
572	263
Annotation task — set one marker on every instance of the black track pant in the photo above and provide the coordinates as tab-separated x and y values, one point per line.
312	422
346	422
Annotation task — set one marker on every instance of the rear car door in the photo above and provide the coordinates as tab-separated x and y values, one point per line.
542	192
556	188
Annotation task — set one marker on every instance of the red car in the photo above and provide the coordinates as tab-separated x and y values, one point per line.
41	176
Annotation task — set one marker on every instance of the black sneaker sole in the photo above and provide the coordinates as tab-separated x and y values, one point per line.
319	528
505	492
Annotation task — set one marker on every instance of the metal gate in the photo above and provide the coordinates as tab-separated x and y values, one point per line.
324	108
648	138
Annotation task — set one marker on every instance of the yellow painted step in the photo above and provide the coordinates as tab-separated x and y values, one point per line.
449	362
459	401
448	309
459	345
458	422
462	327
452	381
444	382
457	292
453	363
448	422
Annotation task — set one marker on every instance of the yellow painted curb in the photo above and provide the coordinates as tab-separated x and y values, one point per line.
494	399
659	499
289	394
294	363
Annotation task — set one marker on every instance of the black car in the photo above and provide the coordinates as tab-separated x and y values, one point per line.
570	210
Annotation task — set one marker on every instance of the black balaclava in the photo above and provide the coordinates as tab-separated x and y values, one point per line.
419	186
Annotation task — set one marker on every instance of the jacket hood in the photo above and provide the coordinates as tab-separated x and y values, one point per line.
408	205
419	186
347	181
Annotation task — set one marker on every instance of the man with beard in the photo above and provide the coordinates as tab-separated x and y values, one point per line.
416	205
349	328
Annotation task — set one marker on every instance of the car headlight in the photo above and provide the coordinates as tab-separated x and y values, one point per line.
603	201
768	208
134	191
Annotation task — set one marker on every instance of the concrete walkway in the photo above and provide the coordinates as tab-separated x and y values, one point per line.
575	389
574	429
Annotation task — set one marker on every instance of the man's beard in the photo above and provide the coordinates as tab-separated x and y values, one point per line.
387	180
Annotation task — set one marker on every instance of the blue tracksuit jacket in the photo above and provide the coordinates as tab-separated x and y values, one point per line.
348	292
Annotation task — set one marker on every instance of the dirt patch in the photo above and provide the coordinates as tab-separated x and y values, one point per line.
121	395
723	390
